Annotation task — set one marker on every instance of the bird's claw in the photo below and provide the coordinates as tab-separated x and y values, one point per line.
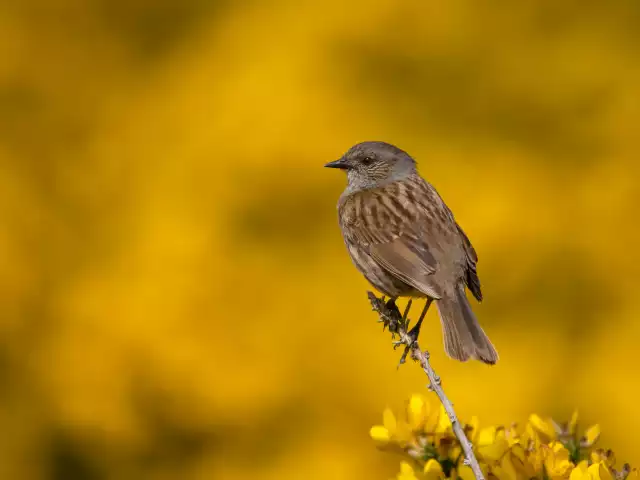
388	322
403	358
413	333
391	318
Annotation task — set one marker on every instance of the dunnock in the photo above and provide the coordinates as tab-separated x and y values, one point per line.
404	240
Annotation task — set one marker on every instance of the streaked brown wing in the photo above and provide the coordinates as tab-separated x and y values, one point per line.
471	274
407	263
393	226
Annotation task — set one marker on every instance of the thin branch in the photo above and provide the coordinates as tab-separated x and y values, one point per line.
390	316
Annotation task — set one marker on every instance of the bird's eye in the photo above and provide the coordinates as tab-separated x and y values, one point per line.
367	161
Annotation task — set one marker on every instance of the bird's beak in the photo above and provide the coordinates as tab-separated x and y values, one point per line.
341	163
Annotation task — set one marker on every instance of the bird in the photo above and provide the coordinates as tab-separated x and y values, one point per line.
406	242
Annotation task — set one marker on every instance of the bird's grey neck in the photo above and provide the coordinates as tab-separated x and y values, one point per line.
357	183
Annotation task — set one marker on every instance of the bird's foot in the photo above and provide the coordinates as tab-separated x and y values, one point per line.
403	357
414	332
388	311
397	323
409	339
406	351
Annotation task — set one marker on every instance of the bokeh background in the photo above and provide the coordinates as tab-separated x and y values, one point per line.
176	301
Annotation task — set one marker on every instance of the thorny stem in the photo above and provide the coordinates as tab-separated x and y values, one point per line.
398	325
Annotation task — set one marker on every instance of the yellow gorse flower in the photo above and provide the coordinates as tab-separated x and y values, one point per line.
406	472
556	460
541	449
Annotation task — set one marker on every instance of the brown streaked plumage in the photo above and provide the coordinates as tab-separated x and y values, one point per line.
404	239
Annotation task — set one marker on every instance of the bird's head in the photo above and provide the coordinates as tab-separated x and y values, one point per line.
374	164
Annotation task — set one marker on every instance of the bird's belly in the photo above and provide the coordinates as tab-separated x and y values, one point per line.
381	279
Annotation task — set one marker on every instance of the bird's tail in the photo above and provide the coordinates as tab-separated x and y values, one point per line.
463	336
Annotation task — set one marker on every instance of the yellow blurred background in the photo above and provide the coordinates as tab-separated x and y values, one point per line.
177	302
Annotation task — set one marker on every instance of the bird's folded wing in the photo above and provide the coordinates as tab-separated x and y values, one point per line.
471	273
409	261
393	230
